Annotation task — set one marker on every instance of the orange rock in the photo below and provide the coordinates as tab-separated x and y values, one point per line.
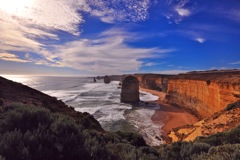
204	92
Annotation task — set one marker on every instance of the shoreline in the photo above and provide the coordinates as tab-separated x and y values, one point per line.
171	116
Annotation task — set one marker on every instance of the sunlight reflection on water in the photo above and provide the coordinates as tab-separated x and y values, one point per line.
17	78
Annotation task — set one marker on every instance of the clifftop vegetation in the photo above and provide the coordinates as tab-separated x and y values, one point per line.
29	132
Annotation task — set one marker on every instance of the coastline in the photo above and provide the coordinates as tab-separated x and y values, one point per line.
170	115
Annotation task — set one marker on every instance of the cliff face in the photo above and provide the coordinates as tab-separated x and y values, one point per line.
204	92
157	82
219	122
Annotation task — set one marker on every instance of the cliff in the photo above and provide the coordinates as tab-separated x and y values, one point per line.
204	93
12	93
157	82
219	122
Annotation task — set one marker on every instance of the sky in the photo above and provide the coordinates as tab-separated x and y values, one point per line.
102	37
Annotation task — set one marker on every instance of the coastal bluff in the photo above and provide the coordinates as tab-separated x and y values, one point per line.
158	82
206	92
13	93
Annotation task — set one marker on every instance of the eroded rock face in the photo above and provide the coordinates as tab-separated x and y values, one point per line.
107	79
218	122
157	82
130	90
204	92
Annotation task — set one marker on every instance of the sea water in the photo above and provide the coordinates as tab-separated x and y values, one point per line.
102	101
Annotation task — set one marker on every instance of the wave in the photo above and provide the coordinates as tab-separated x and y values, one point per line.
141	119
103	102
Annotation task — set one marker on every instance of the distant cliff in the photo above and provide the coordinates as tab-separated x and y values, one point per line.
204	92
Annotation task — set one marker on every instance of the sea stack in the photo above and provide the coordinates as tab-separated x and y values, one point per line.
130	90
107	79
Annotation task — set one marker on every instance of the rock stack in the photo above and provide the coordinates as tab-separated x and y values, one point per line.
107	79
130	90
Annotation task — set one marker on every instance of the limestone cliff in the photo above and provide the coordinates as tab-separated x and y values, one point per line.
157	82
204	93
219	122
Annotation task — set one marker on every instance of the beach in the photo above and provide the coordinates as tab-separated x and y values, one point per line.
170	115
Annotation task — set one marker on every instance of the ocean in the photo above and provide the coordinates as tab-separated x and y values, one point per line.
102	101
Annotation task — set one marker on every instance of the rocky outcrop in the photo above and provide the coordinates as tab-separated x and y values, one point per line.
12	93
106	79
219	122
204	93
130	90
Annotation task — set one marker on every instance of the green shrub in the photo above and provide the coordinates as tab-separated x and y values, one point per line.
28	132
223	152
182	150
232	136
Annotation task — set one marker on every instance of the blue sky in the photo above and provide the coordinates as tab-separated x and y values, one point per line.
98	37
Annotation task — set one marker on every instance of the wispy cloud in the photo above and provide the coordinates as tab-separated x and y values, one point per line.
235	63
150	64
200	40
107	54
173	72
25	25
11	57
183	12
176	10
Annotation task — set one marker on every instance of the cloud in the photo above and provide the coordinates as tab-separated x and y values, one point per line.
11	57
26	28
177	10
107	54
25	25
200	40
174	72
120	10
183	12
235	63
54	14
150	64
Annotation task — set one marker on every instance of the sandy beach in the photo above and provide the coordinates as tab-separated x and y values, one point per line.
170	115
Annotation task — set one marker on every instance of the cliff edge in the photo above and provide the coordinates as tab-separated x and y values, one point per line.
204	93
221	121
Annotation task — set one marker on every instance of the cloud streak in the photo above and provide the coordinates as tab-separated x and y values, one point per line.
11	57
107	54
235	63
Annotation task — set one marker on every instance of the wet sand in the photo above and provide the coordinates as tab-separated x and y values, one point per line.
170	115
